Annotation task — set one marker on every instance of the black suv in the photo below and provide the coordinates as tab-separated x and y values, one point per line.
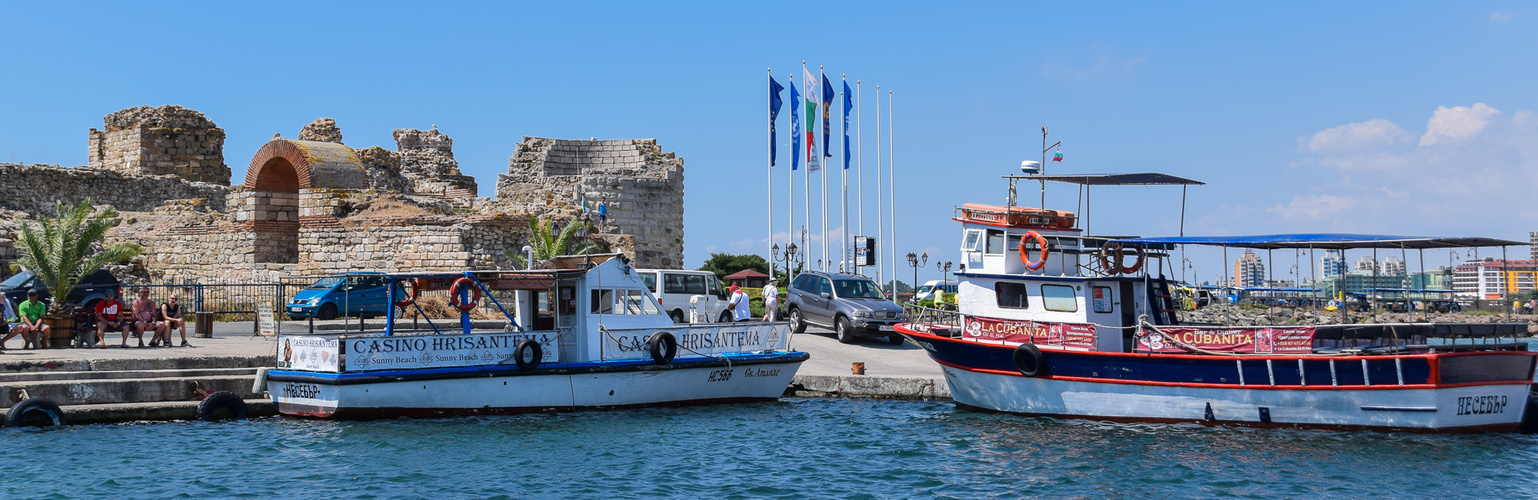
852	306
92	288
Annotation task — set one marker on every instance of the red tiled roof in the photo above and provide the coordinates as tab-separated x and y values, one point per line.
745	274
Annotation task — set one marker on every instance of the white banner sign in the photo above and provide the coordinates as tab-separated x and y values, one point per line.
316	354
699	340
442	351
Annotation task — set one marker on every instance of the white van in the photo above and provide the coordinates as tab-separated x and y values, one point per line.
675	287
927	291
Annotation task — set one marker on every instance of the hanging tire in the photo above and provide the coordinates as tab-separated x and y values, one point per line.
796	325
841	331
35	412
663	347
1030	361
1529	423
222	405
536	354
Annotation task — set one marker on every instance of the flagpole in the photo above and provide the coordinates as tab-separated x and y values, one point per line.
859	153
790	192
880	216
769	182
843	197
806	176
824	183
891	159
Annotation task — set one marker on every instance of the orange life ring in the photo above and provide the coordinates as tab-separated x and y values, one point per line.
1112	255
406	302
1025	258
454	293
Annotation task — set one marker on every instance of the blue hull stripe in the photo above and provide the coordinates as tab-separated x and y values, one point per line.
511	370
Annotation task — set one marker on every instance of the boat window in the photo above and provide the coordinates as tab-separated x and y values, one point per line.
995	242
1059	298
1013	245
651	281
1010	295
603	302
971	240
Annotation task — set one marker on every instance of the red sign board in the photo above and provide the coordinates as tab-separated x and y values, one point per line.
1298	340
1069	335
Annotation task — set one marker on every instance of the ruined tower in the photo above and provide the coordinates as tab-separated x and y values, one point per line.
159	141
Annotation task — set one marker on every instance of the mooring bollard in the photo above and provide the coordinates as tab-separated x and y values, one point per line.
858	367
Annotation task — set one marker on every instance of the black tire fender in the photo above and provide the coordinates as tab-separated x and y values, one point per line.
1030	361
663	347
35	412
537	354
222	405
1529	423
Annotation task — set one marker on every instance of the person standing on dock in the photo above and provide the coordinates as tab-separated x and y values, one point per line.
739	305
771	302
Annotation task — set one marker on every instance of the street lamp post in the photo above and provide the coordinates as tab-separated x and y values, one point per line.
945	269
791	256
914	262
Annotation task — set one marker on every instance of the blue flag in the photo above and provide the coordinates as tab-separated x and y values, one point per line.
848	103
795	128
774	112
827	105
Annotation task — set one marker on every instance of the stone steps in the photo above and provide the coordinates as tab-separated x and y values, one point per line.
48	376
137	364
162	410
125	390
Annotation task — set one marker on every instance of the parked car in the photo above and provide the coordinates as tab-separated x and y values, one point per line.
926	292
350	294
675	287
852	306
91	289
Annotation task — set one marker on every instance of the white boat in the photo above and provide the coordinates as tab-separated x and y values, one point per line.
585	334
1070	325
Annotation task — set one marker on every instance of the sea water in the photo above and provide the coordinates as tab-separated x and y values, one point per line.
794	448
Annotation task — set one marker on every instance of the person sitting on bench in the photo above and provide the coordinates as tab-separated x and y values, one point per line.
171	314
107	311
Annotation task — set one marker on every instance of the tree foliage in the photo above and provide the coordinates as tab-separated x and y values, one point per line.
548	243
724	264
63	249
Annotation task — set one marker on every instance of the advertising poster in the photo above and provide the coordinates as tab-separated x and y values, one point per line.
1236	340
1067	335
442	351
698	341
316	354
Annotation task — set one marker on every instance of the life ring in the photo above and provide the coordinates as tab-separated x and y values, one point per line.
221	405
406	302
1112	255
663	347
1137	264
454	294
35	412
1030	361
537	353
1025	257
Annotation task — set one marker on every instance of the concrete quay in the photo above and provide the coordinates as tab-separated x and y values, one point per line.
115	384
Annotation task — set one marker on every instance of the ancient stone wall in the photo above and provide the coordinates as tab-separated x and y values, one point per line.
641	186
35	188
168	140
427	157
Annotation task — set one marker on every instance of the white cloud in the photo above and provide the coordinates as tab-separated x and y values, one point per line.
1457	123
1375	133
1499	18
1314	206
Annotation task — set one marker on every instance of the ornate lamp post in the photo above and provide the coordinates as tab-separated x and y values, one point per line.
914	261
945	269
790	256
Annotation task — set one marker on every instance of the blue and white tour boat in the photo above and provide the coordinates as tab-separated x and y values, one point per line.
585	333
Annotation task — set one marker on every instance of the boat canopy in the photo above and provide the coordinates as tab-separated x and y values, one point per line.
1141	179
1320	241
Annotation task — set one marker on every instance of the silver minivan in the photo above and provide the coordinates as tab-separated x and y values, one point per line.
674	288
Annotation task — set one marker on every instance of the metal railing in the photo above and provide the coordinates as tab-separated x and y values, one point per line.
932	316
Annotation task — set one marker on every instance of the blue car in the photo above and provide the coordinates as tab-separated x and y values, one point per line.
350	294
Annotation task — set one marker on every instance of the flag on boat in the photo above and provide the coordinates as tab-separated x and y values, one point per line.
774	112
795	128
827	123
848	103
809	88
1058	156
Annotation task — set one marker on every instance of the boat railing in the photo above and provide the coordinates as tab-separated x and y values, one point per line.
923	315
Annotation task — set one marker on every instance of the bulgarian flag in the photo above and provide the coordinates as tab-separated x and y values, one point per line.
811	85
1058	156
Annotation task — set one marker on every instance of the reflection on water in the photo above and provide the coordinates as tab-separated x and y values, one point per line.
796	448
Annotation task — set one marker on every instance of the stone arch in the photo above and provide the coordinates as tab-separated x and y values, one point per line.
280	166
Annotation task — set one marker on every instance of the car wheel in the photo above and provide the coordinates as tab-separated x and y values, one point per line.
677	315
895	340
796	324
843	331
327	311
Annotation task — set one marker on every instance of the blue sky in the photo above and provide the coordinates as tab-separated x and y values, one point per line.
1380	117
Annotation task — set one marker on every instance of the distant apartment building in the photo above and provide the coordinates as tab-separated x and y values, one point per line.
1439	279
1366	263
1493	279
1249	271
1332	264
1532	245
1391	267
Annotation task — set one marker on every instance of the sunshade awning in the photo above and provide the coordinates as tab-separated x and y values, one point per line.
1322	241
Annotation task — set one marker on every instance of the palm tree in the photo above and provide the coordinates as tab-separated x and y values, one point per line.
548	245
68	247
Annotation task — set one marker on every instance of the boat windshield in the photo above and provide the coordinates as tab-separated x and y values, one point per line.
17	280
857	289
325	283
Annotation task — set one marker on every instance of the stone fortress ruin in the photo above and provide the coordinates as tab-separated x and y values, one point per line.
312	205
